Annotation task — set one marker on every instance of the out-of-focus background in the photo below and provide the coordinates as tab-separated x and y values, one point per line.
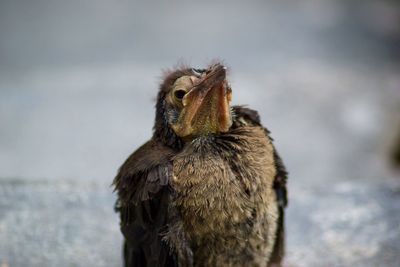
77	86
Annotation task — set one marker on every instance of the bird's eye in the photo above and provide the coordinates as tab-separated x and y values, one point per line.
179	94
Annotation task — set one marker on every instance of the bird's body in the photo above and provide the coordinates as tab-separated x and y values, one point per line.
213	199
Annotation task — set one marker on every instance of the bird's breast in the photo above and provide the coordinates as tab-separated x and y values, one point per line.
223	181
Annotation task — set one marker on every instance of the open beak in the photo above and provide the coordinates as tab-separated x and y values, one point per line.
206	107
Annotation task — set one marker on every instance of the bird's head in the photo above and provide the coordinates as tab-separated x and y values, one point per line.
192	103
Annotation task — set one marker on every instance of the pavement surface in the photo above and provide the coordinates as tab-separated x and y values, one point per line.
77	86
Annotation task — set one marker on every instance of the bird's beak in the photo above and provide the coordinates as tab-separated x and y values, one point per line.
206	107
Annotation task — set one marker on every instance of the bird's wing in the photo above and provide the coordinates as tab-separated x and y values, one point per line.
143	201
249	116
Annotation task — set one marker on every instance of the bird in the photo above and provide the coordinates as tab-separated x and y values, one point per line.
209	188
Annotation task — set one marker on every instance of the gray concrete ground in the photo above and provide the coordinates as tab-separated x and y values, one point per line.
77	87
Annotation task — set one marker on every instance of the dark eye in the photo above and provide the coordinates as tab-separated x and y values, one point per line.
179	94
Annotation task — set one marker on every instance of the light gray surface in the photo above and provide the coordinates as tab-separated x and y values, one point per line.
62	224
77	87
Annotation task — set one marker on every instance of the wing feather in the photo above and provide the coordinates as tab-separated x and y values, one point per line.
143	202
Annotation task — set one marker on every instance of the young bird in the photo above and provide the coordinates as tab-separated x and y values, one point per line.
208	189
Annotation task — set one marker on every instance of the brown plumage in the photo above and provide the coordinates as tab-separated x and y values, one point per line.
209	188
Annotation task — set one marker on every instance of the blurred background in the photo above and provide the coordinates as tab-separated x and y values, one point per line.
78	80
